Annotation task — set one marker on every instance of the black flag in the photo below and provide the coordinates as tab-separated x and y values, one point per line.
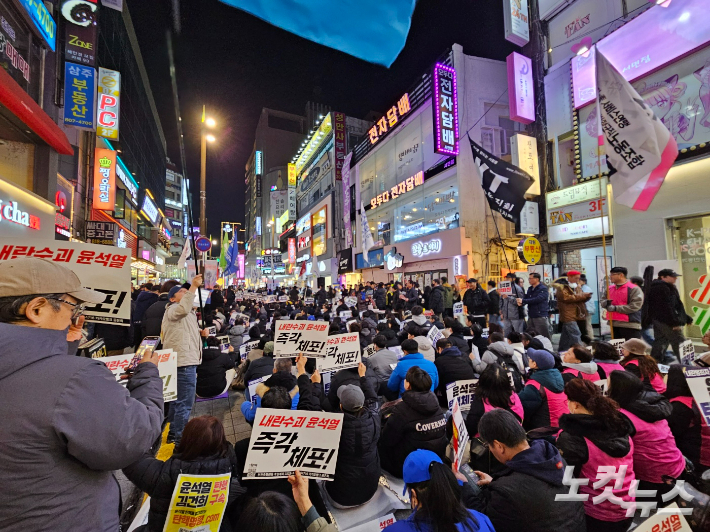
503	183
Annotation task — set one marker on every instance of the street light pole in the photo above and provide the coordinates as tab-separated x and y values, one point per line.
204	138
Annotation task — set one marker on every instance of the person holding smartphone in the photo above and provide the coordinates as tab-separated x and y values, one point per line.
67	425
181	333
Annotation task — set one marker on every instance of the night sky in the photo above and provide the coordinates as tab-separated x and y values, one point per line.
236	64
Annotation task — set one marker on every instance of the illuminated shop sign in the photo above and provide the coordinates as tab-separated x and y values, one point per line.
394	115
420	249
401	188
259	163
10	211
42	20
445	110
108	114
104	179
521	91
314	143
150	210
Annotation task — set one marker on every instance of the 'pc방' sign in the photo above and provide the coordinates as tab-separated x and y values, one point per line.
285	440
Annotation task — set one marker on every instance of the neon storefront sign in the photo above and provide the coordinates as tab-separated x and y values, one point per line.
401	188
11	212
420	249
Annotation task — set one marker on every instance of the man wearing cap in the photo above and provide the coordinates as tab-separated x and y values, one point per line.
476	302
624	305
667	314
571	302
181	333
67	424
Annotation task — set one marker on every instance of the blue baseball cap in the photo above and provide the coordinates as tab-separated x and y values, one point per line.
417	467
174	290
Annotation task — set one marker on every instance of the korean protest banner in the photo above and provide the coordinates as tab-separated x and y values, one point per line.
285	440
665	521
198	503
618	342
699	384
283	299
342	351
106	269
251	388
463	391
434	335
246	347
345	314
687	353
369	351
460	439
270	299
294	337
351	301
505	288
167	367
308	300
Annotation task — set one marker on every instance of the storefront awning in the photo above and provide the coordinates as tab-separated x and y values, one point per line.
26	109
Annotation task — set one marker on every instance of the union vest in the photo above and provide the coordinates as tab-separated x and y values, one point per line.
620	296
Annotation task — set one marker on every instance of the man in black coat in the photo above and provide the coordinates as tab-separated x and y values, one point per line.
143	302
476	301
667	314
452	366
411	297
381	297
320	297
293	294
522	495
152	320
436	298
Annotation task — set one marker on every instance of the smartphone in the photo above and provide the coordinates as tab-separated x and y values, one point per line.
147	346
472	477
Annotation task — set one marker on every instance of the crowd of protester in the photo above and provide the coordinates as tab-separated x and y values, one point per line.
535	409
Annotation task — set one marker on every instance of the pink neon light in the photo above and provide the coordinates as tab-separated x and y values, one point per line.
439	145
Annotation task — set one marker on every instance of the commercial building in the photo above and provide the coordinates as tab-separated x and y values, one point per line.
664	51
418	184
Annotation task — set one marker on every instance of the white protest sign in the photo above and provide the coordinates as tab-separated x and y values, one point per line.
369	351
397	350
294	337
342	351
376	525
308	300
251	388
105	269
618	342
663	369
167	368
345	314
458	309
687	353
463	391
603	385
223	344
283	299
665	521
434	335
270	299
351	301
246	347
325	377
285	440
461	436
505	288
699	384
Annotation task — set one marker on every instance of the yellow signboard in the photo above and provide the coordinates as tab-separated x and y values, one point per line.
292	175
530	250
198	503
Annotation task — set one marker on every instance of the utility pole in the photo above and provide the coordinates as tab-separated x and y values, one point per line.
205	137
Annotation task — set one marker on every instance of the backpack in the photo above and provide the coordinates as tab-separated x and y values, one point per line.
509	365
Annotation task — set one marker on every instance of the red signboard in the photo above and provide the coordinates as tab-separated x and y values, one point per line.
292	251
104	179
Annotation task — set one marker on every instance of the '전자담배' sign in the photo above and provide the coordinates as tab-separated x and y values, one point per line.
285	440
294	337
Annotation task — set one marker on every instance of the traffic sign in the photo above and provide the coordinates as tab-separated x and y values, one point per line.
203	244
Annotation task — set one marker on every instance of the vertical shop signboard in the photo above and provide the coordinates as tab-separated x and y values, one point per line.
292	182
79	96
446	120
80	31
339	127
108	114
104	179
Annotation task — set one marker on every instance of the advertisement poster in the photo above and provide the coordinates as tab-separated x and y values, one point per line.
101	268
167	367
294	337
342	351
285	440
198	503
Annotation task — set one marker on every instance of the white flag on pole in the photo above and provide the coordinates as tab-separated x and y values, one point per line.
185	254
367	241
638	145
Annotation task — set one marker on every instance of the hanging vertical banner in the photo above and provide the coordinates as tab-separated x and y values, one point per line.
347	200
339	133
104	179
80	31
523	154
108	114
79	96
446	118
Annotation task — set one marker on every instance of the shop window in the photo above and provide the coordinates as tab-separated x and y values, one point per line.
691	238
432	209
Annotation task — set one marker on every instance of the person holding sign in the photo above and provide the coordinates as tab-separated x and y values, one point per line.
435	495
595	434
203	450
66	424
452	366
688	425
606	357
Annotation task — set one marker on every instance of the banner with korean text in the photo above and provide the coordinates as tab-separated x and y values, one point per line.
167	367
294	337
198	503
101	268
342	351
285	440
463	391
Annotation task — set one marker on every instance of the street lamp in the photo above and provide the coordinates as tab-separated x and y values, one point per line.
205	137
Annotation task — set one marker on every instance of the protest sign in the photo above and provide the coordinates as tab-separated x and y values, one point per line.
106	269
460	439
198	503
458	309
308	300
342	351
434	335
618	342
251	388
603	385
397	350
246	347
223	344
345	314
687	353
699	384
294	337
270	299
369	351
463	391
167	368
665	521
505	288
285	440
283	299
351	301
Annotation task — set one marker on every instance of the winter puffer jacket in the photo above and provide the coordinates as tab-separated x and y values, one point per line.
570	302
522	496
452	366
153	317
476	301
143	302
282	379
588	442
459	341
261	367
583	370
381	298
391	337
544	399
158	479
357	472
417	422
211	372
497	352
342	378
236	336
436	299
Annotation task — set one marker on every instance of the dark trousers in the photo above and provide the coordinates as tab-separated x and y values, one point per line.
664	335
625	333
